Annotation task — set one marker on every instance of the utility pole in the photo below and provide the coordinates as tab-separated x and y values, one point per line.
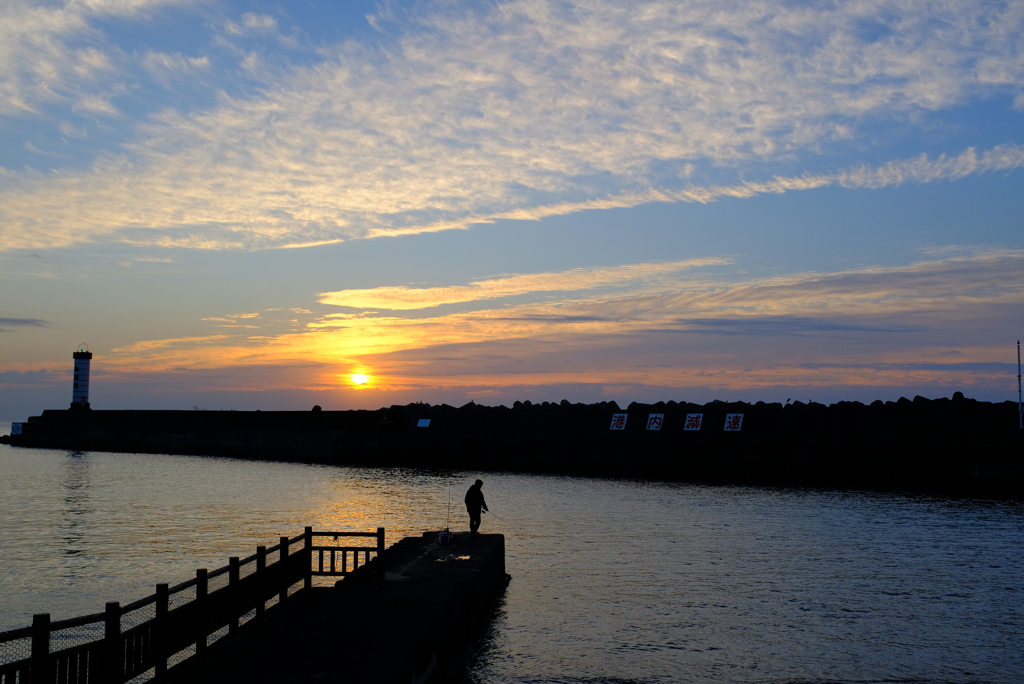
1020	403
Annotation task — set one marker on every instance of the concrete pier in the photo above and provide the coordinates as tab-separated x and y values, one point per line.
420	626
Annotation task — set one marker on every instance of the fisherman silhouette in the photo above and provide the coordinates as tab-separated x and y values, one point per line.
474	502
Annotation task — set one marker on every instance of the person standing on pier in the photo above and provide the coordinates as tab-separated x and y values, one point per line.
475	502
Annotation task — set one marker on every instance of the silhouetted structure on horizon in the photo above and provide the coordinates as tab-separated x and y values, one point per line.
919	443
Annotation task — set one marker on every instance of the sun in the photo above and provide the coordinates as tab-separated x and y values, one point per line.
359	379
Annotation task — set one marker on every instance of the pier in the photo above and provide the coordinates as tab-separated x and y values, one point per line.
412	612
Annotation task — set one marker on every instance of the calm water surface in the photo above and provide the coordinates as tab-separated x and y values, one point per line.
613	581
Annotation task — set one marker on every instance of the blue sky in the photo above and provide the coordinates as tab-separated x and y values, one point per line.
242	205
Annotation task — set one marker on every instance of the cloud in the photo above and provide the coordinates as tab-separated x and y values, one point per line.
45	153
577	279
31	378
123	202
778	325
305	245
524	109
70	130
175	343
993	367
953	284
859	319
922	169
91	60
22	322
863	304
97	104
170	67
39	60
251	23
890	338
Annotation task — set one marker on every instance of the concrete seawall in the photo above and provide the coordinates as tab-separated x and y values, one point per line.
421	626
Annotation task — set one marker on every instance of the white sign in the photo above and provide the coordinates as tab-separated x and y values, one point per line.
619	421
423	422
16	428
693	421
655	421
733	422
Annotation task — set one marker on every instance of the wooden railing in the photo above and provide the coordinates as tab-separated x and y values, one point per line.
176	623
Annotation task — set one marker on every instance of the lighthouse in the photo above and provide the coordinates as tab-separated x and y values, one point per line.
80	389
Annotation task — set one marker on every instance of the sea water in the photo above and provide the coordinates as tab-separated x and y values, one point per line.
612	580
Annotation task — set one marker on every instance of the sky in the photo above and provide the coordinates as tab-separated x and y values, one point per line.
271	205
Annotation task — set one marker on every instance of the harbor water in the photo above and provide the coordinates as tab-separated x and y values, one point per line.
613	580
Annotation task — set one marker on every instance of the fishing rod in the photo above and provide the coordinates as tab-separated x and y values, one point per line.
445	538
496	516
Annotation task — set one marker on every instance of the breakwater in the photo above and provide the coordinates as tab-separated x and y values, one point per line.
948	443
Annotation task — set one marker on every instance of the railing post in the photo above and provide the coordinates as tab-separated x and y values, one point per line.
113	651
261	565
40	649
308	580
163	596
202	590
380	556
233	578
283	562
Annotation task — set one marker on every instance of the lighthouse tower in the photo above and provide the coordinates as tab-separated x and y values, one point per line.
80	390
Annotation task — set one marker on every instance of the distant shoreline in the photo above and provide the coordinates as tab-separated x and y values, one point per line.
954	445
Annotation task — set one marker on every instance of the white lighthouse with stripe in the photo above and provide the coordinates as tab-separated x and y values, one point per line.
80	388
